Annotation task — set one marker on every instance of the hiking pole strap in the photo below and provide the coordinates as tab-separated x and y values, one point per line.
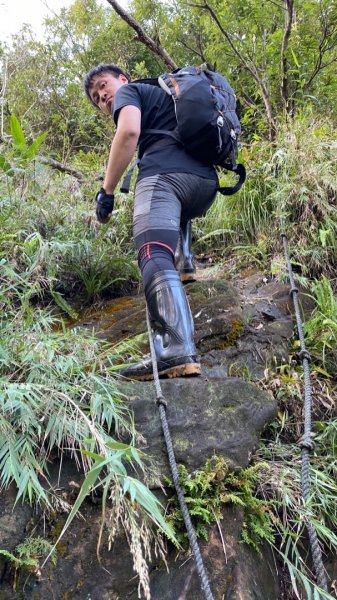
125	187
241	172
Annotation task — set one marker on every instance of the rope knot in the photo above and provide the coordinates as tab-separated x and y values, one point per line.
304	354
160	401
306	441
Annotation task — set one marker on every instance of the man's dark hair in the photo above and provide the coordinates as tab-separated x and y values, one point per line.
102	68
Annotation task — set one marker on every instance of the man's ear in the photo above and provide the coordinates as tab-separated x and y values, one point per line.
123	79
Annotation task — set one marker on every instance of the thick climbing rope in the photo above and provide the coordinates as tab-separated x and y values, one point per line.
162	406
306	442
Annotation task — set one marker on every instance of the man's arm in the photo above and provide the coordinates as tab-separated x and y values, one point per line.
123	146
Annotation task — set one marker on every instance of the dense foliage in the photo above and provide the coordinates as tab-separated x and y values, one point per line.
280	58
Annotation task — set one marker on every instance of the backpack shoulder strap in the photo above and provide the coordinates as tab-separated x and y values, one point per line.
163	132
158	82
241	172
148	80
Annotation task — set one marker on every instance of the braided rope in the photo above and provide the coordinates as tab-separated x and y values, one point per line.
162	405
306	442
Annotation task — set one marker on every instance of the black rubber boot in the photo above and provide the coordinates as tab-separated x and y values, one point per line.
184	257
173	329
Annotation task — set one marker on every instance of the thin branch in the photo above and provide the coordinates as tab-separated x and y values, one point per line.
253	70
327	43
276	4
197	52
221	536
79	51
55	164
289	17
319	68
151	44
37	87
248	101
3	92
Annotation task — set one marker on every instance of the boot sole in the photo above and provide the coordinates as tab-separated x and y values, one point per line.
185	277
185	370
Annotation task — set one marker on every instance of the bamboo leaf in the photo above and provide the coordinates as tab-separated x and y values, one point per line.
62	303
117	445
93	455
295	59
141	494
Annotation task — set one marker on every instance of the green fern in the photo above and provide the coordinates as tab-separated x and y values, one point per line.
29	553
210	489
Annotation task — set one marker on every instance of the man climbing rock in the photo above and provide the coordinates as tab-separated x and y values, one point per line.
172	187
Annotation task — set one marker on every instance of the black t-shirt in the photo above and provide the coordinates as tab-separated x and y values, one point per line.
157	112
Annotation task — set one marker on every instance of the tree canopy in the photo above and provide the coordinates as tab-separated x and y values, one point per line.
280	56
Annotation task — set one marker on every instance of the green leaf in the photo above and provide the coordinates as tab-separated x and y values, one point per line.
136	456
17	133
9	555
63	304
5	166
33	148
295	59
141	494
87	484
93	455
117	445
28	562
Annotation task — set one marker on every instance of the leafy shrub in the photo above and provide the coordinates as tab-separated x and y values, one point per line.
64	250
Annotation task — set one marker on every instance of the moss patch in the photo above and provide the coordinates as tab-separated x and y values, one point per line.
228	339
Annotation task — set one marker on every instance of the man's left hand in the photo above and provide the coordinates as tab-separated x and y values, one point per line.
104	205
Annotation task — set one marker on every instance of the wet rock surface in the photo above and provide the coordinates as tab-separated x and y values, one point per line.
14	523
206	417
240	330
235	570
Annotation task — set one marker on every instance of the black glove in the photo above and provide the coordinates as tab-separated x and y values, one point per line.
104	205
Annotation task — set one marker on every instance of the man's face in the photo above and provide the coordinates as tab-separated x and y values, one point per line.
103	89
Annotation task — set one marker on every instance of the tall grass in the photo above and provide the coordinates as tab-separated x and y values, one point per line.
280	485
321	329
291	187
48	227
